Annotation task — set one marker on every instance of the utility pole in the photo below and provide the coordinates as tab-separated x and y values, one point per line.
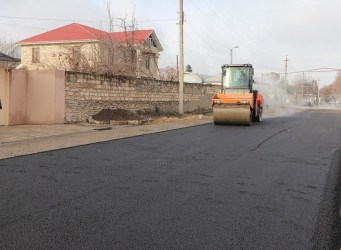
177	66
318	92
181	71
302	85
285	77
235	47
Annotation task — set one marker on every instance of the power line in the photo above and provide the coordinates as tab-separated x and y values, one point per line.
259	65
79	20
47	19
246	43
251	42
193	44
305	7
318	70
202	38
196	30
34	27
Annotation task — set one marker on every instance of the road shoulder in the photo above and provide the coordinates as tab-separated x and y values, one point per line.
83	136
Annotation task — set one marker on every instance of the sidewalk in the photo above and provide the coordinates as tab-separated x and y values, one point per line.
30	139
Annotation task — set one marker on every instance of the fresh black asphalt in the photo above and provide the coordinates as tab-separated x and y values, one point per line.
274	185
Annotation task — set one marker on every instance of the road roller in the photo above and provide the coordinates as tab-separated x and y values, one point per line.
237	102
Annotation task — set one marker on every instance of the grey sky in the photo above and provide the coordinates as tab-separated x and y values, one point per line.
265	30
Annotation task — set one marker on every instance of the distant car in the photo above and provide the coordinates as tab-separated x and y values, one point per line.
332	102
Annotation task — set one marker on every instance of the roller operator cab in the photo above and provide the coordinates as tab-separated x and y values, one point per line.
237	102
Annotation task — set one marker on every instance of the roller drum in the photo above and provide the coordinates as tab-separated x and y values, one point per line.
240	116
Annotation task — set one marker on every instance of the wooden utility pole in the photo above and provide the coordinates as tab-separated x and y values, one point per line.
177	66
181	71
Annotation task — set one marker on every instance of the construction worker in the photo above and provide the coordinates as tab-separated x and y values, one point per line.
311	102
242	78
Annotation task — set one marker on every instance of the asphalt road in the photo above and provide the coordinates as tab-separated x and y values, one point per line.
274	185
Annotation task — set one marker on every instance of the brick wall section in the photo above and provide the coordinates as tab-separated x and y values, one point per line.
86	95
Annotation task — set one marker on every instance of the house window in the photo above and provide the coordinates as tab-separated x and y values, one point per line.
147	58
76	54
150	42
112	56
104	56
133	56
36	55
129	55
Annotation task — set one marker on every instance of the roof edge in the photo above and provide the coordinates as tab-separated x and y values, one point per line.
58	42
6	58
156	39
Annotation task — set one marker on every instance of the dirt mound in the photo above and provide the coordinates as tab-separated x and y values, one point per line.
115	114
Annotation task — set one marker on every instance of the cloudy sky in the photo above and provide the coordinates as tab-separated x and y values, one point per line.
265	31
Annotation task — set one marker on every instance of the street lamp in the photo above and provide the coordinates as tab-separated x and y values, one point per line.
235	47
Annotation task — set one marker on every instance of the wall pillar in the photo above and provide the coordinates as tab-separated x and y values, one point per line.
4	96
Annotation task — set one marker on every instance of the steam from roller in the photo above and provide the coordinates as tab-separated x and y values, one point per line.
238	116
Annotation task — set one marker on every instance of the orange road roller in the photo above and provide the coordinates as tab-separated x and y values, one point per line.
237	103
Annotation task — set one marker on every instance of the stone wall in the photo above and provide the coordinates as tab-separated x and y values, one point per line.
86	95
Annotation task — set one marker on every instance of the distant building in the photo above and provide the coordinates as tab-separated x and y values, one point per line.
8	62
215	80
190	77
272	76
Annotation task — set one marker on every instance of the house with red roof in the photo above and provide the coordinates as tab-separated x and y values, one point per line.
80	48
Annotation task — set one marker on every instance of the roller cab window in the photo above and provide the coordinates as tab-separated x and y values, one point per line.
236	77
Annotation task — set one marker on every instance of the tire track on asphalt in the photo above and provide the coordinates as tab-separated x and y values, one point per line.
269	138
276	134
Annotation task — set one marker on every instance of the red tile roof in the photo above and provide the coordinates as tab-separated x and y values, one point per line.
139	36
76	32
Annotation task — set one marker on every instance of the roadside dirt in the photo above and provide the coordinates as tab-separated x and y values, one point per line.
162	119
116	115
124	115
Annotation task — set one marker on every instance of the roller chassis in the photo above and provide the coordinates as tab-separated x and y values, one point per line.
243	114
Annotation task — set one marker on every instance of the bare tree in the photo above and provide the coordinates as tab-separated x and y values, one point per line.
169	73
110	16
10	48
144	53
332	91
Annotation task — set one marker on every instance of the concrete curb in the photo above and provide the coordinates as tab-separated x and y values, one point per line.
37	145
